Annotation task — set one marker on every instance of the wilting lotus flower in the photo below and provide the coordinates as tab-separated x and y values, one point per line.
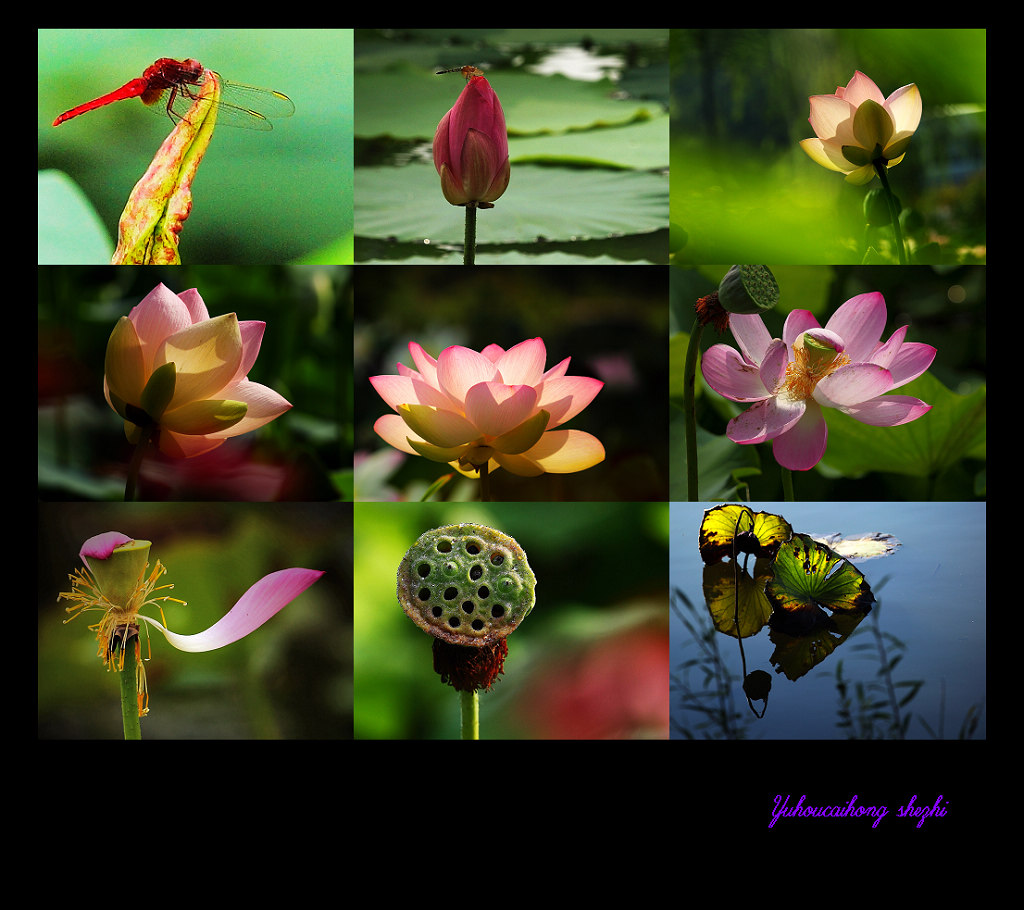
471	146
857	126
114	583
493	407
843	366
172	370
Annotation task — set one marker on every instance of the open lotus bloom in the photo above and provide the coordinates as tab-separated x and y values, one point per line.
857	126
115	584
471	146
789	380
491	407
172	370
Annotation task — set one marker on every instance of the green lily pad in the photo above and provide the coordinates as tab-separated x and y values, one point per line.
730	529
809	574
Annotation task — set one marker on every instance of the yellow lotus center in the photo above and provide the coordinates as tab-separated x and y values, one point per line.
813	360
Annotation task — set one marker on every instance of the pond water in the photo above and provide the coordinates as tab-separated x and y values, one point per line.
930	612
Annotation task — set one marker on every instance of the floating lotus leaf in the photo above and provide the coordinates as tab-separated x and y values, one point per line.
730	529
810	574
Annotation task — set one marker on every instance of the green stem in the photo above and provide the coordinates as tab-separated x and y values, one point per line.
485	484
130	692
787	485
690	408
470	702
894	214
469	255
132	481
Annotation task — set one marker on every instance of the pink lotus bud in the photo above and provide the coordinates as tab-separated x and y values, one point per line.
471	146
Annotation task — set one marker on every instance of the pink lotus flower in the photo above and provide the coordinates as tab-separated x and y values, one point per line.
471	146
843	366
858	126
172	368
493	407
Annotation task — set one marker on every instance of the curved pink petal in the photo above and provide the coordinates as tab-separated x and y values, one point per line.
559	369
751	336
496	408
775	366
523	363
102	545
853	384
426	364
798	322
860	323
459	369
563	397
801	447
251	331
910	362
862	88
766	420
729	374
408	389
160	314
195	305
884	354
263	600
889	410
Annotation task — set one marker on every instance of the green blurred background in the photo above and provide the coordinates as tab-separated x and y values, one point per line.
591	659
610	321
282	196
305	355
744	191
587	117
290	679
939	456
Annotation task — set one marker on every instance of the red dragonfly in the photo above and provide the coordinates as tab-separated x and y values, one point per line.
173	85
469	71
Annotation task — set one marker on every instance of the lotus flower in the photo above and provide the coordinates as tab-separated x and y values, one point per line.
493	407
114	583
172	370
843	366
858	126
471	146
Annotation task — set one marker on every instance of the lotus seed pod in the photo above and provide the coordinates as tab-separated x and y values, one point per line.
748	289
466	584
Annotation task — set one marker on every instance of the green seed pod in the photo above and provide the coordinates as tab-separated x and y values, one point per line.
748	289
466	584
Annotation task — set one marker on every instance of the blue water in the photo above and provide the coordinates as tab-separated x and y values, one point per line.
931	595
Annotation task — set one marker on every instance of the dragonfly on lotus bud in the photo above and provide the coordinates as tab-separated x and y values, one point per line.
173	86
469	71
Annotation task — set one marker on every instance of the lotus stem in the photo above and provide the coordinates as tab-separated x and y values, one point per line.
469	253
690	408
